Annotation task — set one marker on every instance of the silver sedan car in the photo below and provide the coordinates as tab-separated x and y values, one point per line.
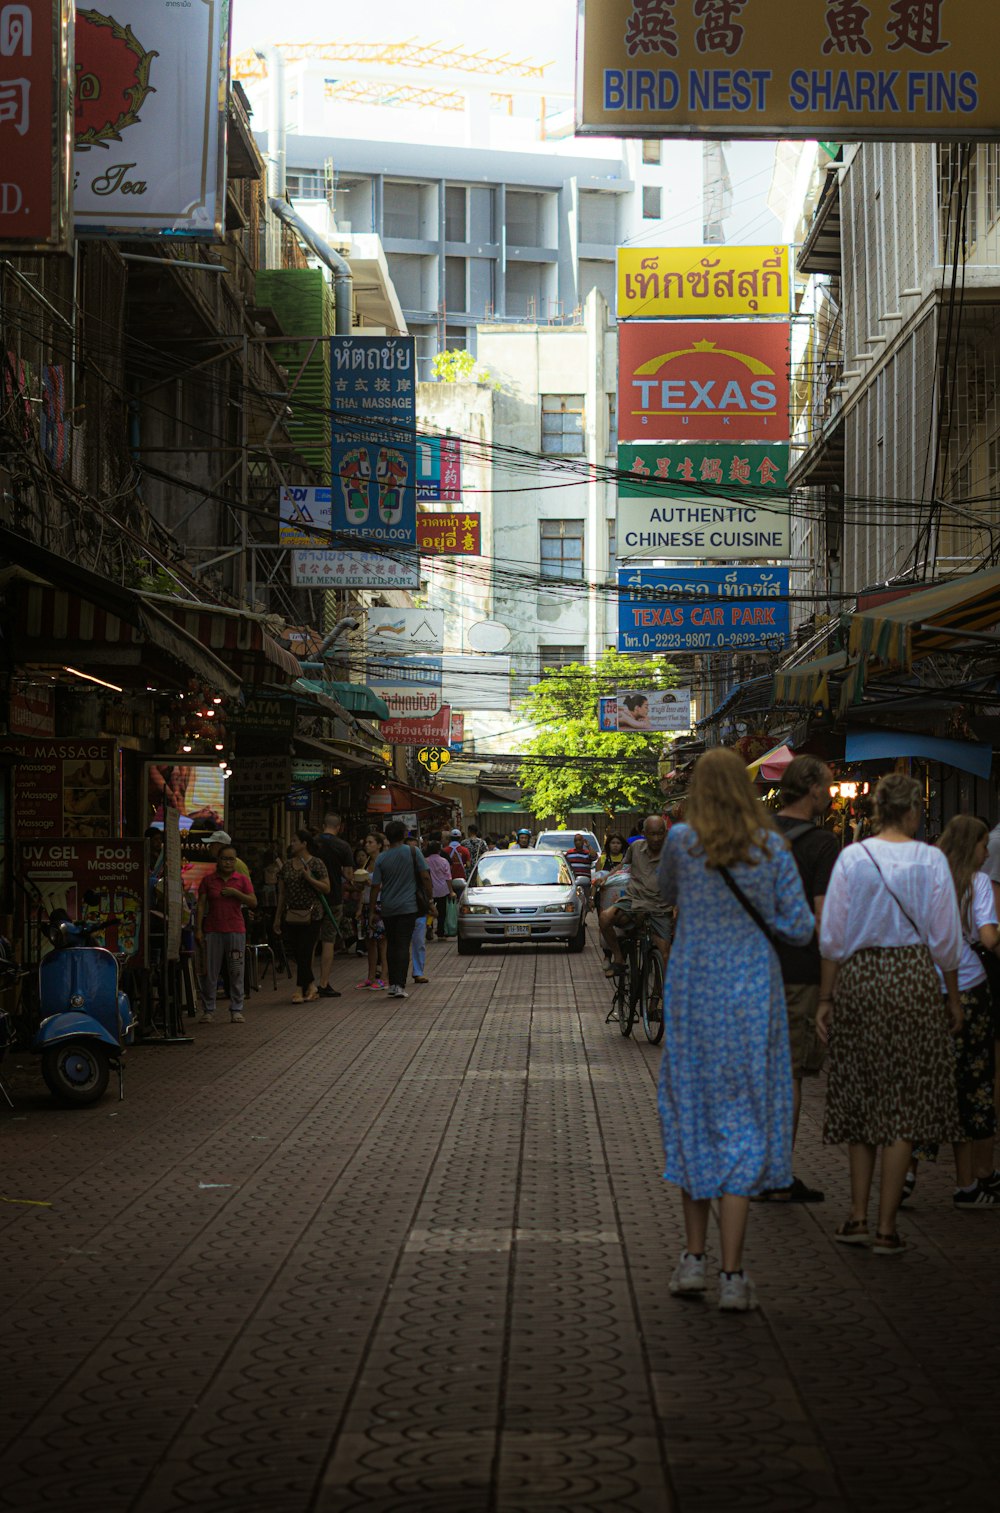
520	896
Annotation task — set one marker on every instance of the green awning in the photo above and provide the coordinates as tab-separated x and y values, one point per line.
500	806
358	698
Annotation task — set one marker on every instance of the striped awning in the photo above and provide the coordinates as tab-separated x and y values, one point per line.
58	624
235	636
809	684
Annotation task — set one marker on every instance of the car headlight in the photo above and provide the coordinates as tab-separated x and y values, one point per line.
474	909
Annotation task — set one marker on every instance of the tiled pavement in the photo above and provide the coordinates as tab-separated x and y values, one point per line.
413	1256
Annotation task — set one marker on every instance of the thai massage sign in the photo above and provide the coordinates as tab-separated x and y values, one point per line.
658	283
35	96
374	440
150	116
679	381
827	69
710	501
697	608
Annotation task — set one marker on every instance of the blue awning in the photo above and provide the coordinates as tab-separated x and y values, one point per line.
878	745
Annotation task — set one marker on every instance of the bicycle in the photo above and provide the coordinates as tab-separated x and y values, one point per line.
638	991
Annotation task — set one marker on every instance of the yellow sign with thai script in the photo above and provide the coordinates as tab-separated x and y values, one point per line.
836	70
655	283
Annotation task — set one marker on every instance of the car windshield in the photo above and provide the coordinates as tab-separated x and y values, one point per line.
564	840
511	870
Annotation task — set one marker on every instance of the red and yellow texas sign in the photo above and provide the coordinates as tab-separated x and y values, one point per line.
703	381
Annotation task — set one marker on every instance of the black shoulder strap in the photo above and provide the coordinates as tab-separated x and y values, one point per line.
796	832
905	912
754	913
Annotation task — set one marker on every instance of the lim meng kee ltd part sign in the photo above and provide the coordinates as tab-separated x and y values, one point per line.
829	69
698	608
150	118
705	381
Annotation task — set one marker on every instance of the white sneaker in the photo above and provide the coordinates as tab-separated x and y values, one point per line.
397	992
737	1294
236	1018
689	1275
204	1018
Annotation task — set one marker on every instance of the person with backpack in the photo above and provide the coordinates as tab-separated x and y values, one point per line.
805	799
477	847
453	848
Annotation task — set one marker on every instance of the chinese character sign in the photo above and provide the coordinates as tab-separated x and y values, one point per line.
698	608
657	283
35	125
150	119
680	381
439	469
374	439
841	69
454	535
711	501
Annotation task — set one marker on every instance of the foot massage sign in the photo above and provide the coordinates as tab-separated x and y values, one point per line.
374	440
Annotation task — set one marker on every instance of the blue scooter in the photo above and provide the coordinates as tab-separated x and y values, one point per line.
86	1020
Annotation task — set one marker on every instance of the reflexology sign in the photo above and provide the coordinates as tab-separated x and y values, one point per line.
374	440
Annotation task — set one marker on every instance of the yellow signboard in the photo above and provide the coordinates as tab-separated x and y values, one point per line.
433	758
830	69
655	283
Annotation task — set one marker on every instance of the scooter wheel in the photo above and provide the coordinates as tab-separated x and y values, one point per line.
76	1072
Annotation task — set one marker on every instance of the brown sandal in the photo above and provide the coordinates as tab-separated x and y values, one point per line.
852	1232
888	1245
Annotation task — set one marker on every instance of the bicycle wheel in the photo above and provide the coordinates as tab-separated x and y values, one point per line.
652	996
630	989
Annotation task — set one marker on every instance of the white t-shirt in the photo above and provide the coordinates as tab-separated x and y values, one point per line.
982	911
992	864
860	912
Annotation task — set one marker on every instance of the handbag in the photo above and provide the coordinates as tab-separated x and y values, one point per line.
750	908
298	916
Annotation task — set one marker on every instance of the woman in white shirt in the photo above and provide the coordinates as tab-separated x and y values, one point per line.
964	842
889	918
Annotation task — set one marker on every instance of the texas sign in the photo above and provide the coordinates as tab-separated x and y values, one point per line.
703	381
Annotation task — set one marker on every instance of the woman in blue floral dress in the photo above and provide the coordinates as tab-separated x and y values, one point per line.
725	1095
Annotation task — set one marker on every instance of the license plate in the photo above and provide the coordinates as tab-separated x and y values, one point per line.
517	930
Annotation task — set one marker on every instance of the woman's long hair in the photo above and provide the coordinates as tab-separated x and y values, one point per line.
959	840
724	811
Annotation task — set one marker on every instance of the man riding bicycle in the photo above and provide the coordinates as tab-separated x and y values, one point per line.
642	898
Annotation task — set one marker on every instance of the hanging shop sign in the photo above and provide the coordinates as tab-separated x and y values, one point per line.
687	381
298	800
63	788
405	632
439	469
195	787
150	119
449	535
607	714
374	439
263	714
32	711
260	778
653	709
410	687
419	732
433	758
60	874
698	608
661	283
900	69
398	569
713	501
35	126
457	738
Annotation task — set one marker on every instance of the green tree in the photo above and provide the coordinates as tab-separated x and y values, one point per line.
585	767
455	365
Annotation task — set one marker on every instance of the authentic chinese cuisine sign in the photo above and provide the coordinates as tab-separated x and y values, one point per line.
683	382
658	283
698	608
716	501
150	118
35	119
832	69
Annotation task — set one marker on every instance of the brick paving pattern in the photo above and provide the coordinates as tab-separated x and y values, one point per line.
364	1254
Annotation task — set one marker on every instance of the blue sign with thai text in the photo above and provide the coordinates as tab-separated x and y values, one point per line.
373	440
701	608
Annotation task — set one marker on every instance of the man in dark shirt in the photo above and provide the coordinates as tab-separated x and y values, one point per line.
805	798
339	859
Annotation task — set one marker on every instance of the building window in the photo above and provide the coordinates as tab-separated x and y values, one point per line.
651	197
456	284
554	658
563	425
455	215
612	550
560	549
652	151
612	422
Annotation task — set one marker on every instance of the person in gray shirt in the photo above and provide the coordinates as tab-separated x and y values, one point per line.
399	886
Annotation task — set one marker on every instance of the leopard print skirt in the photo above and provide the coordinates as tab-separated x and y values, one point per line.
892	1063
